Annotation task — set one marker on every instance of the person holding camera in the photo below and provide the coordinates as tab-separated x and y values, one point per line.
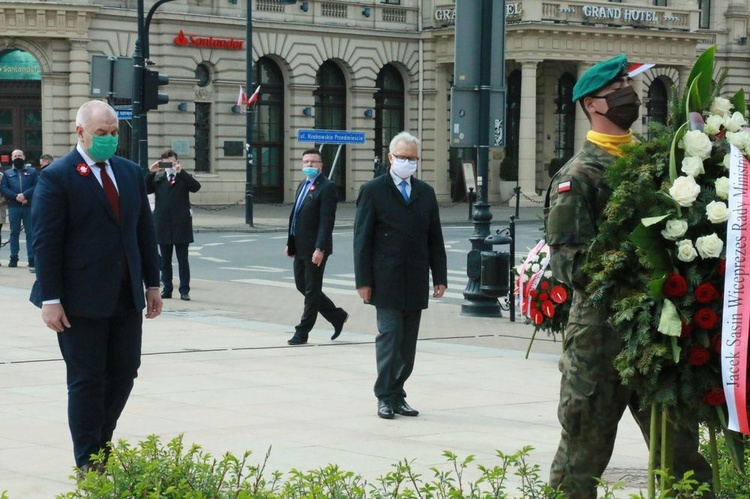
173	218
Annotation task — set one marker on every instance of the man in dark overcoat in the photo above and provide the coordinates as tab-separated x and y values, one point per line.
397	242
310	242
173	218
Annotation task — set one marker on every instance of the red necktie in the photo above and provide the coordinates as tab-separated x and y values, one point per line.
109	189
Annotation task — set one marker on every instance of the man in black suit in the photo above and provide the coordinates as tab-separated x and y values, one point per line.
397	242
173	218
310	242
95	252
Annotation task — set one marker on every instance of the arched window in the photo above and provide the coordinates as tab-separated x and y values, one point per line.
389	109
268	132
658	102
330	114
565	110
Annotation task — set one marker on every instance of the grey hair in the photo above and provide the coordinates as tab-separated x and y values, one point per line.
405	137
83	116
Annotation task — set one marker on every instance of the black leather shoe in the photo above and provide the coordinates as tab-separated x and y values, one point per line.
165	295
404	409
297	340
385	409
31	263
339	327
13	262
184	296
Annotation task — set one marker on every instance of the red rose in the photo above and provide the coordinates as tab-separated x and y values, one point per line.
558	294
716	343
687	330
532	294
706	293
543	296
715	396
706	318
698	356
674	286
544	285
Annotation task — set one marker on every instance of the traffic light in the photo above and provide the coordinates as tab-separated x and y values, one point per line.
152	80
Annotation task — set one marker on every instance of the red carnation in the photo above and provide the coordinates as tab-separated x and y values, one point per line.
532	294
674	286
698	356
687	330
715	396
706	318
706	293
544	285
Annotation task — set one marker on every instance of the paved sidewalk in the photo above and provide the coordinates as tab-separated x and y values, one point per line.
227	380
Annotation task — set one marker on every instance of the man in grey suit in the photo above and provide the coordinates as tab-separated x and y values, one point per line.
397	242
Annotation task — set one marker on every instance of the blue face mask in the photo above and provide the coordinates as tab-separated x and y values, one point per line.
310	172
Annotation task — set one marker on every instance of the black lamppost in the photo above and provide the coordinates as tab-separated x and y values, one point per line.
249	171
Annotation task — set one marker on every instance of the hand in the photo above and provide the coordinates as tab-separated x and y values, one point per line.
21	198
365	292
177	168
153	303
286	252
154	167
54	317
317	257
439	291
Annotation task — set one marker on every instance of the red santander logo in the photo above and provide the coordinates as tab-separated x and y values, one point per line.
183	40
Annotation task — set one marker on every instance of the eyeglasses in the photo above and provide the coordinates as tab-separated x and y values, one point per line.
405	158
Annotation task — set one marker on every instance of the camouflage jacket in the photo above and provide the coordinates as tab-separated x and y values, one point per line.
573	210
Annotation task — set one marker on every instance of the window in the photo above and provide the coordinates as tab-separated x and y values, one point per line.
330	114
268	133
203	75
658	102
509	167
704	19
389	109
566	116
660	3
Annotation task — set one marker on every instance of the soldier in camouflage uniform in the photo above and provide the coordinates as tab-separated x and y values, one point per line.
592	396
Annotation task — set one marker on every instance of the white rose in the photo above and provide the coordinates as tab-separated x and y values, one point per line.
735	122
722	187
739	139
717	212
713	124
727	161
709	246
685	251
535	268
720	106
697	143
547	274
692	166
675	229
685	191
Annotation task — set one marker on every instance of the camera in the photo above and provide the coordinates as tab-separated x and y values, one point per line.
165	164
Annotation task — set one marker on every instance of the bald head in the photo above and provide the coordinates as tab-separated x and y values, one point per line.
97	122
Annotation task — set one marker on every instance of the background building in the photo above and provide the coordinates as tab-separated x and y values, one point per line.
376	66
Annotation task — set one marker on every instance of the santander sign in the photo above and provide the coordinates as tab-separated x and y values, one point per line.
183	40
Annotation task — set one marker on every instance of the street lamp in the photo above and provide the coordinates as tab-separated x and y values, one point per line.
249	170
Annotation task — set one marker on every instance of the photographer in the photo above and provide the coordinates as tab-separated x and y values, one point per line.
173	218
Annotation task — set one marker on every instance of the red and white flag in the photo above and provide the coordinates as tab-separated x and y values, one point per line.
735	334
639	67
254	97
242	97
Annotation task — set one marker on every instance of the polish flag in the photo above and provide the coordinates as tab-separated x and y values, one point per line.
242	97
638	68
254	97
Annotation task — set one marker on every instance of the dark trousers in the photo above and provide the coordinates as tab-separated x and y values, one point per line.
102	357
181	251
16	215
308	278
395	350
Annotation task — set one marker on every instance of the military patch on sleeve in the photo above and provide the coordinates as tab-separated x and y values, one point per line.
563	186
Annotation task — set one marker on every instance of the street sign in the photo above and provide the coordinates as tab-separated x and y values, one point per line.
124	114
111	77
331	136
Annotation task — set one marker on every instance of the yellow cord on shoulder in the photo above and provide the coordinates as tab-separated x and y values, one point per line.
610	143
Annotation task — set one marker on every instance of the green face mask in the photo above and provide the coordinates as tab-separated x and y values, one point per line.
102	147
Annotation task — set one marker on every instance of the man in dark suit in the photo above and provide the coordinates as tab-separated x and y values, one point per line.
173	218
95	251
310	242
397	242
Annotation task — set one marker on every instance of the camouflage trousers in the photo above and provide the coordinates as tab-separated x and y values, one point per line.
592	402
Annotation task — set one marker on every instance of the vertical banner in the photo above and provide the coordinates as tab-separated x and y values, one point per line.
736	315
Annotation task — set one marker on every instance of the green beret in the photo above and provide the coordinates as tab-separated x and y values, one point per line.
600	75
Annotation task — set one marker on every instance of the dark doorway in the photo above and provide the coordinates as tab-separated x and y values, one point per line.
389	110
330	114
268	133
202	137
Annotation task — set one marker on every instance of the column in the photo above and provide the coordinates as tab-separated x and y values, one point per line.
527	130
80	72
